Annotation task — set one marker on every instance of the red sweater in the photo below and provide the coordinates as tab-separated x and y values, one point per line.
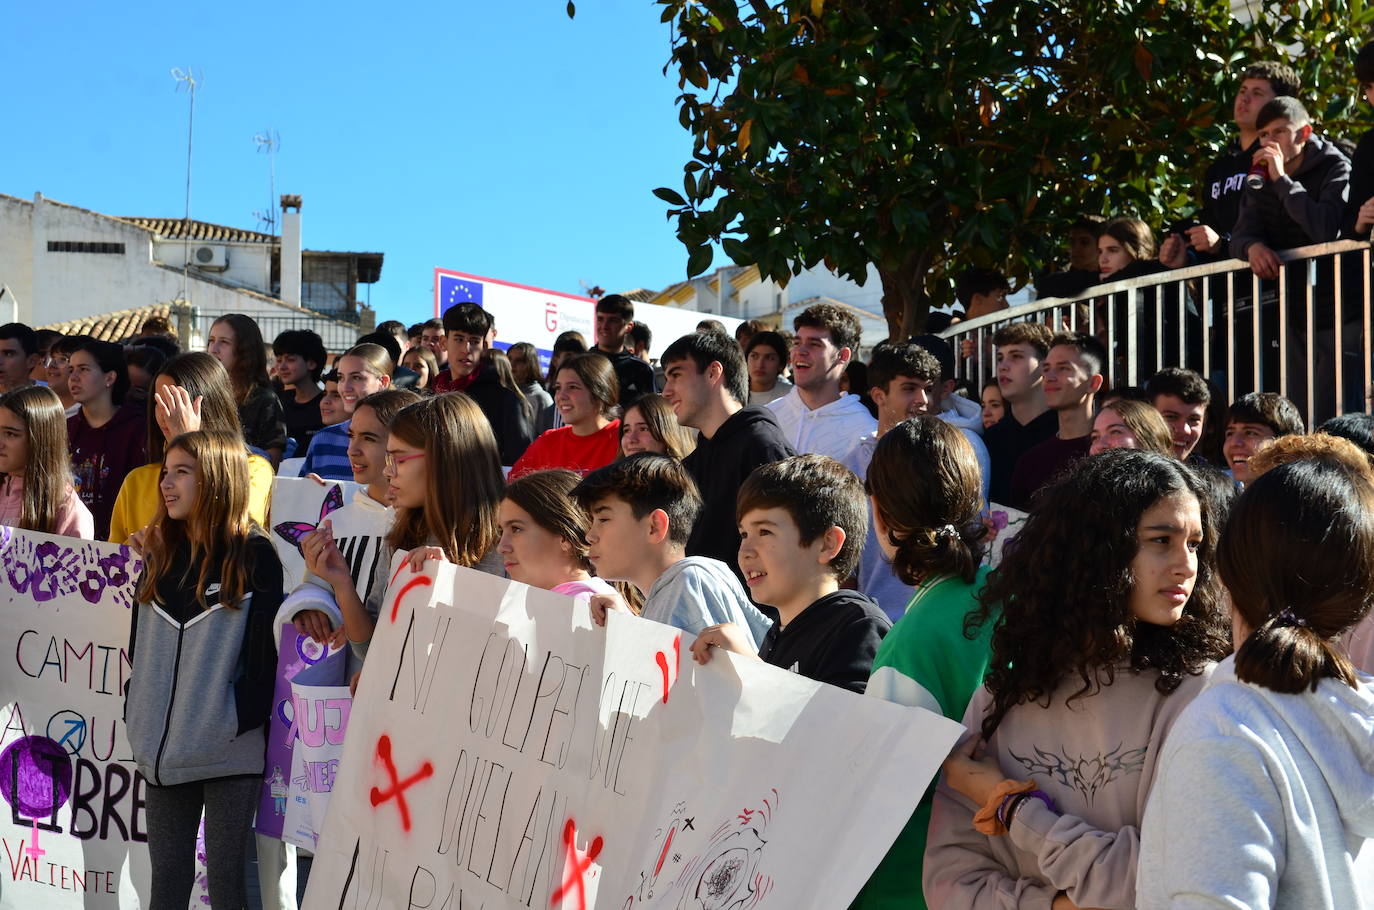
561	448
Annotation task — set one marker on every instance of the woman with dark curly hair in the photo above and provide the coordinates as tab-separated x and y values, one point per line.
1110	624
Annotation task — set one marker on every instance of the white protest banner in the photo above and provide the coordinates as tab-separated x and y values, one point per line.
73	831
1003	524
505	752
298	506
539	316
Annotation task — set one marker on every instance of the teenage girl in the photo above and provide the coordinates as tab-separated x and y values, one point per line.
994	405
1109	624
203	661
544	535
190	393
105	438
36	491
649	426
585	393
432	442
363	370
359	527
236	342
928	527
1276	752
1126	424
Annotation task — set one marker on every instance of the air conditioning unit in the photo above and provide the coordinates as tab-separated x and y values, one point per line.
209	258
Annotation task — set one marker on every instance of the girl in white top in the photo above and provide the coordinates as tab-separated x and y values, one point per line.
1109	622
544	535
1266	785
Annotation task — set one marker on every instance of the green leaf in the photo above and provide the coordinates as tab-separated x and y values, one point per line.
698	260
572	9
669	196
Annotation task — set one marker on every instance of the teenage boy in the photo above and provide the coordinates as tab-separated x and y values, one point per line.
766	354
470	330
1021	348
300	358
1302	199
1181	397
704	383
640	338
1221	193
907	382
1252	422
1082	271
615	318
801	525
642	509
18	355
432	336
816	417
1073	375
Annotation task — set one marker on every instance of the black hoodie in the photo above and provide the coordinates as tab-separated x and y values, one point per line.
832	641
748	438
1305	208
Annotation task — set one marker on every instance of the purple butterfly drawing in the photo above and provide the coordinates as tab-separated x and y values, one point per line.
293	531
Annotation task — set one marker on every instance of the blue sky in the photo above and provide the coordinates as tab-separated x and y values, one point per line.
498	139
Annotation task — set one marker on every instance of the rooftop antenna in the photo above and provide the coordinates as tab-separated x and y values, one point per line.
187	79
269	141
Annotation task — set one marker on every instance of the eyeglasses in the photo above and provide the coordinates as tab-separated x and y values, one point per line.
392	461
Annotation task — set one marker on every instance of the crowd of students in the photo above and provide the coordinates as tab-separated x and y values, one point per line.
774	496
832	534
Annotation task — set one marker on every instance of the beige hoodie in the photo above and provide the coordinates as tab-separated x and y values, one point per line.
1096	758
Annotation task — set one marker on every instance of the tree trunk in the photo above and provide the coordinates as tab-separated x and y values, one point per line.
905	303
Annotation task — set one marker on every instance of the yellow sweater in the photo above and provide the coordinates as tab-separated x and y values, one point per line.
138	498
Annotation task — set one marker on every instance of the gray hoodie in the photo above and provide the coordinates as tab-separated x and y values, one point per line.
697	592
1262	799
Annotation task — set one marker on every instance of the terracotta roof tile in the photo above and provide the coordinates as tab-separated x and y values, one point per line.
180	228
112	326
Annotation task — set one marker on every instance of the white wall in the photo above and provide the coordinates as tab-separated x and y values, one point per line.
57	287
250	264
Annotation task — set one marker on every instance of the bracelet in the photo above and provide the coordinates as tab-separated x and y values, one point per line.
1027	796
988	819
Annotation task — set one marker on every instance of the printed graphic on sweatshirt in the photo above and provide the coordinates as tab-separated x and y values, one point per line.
1088	774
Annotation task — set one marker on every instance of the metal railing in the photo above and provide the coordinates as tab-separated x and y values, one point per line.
1304	334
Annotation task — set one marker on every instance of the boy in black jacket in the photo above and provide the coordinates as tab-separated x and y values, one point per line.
802	523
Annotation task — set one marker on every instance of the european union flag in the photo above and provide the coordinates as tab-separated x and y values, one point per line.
453	289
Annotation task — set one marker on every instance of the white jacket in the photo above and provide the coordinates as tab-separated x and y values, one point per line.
1262	800
831	429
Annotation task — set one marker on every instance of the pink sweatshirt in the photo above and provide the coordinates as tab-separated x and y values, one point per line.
1096	759
73	518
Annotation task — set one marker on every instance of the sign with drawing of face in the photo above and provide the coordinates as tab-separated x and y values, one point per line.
503	751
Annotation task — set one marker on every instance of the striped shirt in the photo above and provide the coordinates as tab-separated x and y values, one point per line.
328	454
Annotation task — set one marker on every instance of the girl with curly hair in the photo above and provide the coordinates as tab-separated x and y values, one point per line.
1277	748
1109	625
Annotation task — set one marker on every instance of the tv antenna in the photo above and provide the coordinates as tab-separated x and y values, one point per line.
269	141
187	79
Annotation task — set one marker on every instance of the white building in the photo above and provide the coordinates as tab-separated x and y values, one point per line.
67	267
739	291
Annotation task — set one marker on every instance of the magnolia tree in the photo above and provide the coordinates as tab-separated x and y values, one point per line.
928	137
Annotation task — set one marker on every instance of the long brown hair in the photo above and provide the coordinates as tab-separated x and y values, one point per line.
663	426
48	471
218	527
1298	560
462	476
203	377
547	497
250	355
931	514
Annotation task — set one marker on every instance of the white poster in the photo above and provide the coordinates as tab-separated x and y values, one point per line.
539	316
505	752
73	830
298	506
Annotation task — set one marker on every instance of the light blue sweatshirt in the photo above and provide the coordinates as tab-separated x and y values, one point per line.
1261	800
698	592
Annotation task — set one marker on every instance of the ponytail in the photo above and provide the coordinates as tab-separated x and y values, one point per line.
1288	654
